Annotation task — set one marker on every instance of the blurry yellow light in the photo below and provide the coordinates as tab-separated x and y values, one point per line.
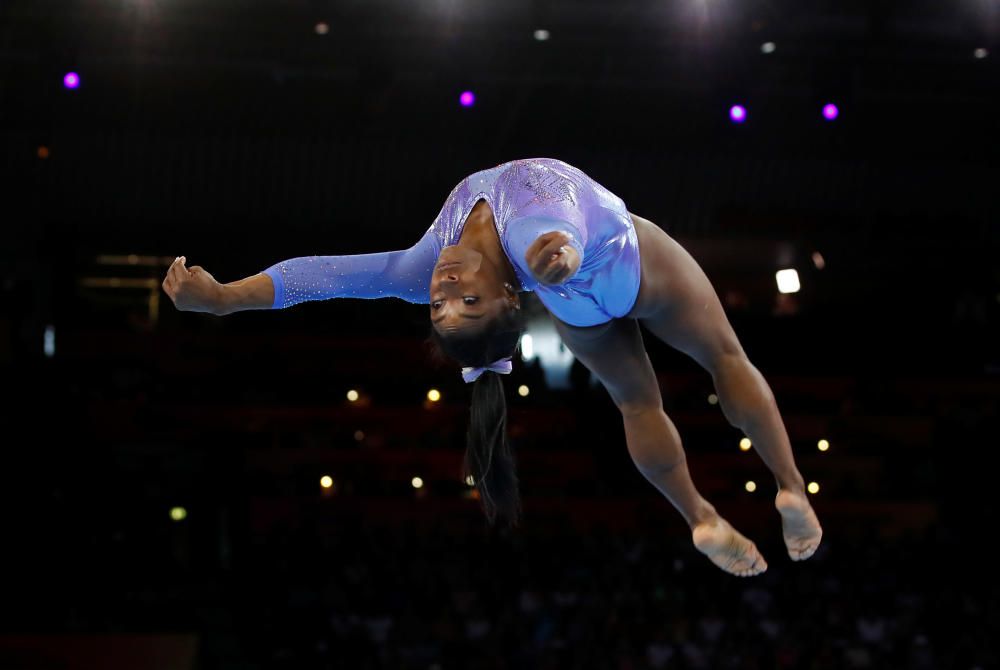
178	513
433	395
470	481
823	445
751	487
713	399
813	487
523	390
417	482
352	395
326	481
745	444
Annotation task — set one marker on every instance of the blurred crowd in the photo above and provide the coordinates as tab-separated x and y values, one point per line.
544	598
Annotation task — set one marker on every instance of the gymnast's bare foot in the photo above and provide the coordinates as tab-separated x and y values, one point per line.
727	548
799	524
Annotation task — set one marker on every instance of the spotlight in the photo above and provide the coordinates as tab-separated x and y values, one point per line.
818	260
71	80
813	487
470	481
467	99
738	113
49	341
322	28
541	342
541	35
433	395
713	399
823	445
768	47
980	53
745	444
523	391
788	281
751	487
326	481
352	395
178	513
830	112
417	482
527	347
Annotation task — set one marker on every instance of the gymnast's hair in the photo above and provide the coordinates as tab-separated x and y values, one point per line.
488	455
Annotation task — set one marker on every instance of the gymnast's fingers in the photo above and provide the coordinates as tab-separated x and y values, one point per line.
178	273
554	245
168	279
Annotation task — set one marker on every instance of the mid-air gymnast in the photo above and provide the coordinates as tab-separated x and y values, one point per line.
542	225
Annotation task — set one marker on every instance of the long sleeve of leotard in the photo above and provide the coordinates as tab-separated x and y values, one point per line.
404	274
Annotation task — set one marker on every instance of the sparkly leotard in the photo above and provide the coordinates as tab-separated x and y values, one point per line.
528	198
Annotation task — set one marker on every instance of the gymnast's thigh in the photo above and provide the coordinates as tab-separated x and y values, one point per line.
615	353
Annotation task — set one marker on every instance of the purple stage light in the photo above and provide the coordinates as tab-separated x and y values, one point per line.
467	98
71	80
738	113
830	112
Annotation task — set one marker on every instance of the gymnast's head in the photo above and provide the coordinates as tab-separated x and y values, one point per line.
476	321
468	294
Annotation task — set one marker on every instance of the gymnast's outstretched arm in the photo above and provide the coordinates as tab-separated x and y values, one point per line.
403	274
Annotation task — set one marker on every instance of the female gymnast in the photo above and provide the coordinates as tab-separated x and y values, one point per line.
542	225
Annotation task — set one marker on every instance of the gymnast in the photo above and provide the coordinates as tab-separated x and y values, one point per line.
542	225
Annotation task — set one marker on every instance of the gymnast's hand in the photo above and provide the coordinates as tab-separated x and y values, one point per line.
551	258
193	290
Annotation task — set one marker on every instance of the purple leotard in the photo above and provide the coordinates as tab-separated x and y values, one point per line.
528	198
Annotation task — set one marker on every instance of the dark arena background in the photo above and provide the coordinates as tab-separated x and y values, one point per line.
283	488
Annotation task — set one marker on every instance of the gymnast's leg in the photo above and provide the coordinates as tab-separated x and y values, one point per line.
692	320
614	352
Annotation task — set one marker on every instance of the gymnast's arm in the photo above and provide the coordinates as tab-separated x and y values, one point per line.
401	274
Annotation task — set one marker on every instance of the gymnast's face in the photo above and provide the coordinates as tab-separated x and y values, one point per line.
467	290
